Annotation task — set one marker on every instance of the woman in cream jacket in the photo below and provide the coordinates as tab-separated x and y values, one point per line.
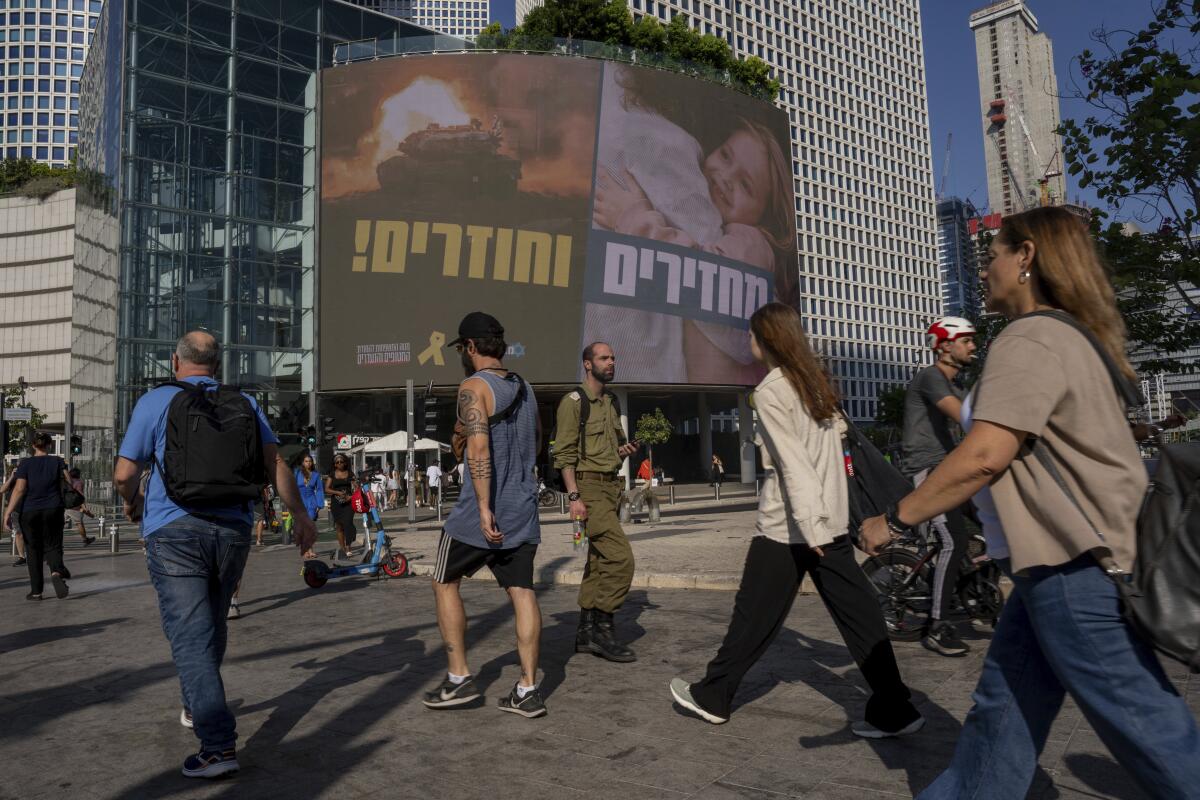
801	529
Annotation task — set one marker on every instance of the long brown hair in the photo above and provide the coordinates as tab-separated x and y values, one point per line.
780	334
1070	273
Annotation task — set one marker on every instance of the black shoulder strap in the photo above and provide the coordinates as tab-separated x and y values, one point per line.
497	418
1126	390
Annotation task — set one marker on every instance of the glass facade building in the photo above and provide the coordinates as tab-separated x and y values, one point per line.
43	45
463	18
958	260
198	197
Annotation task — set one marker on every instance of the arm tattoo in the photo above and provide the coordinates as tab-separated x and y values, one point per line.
481	468
474	421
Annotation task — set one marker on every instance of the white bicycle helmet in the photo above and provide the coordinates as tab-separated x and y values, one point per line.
948	329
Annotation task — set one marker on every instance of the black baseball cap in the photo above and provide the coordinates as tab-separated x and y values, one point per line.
478	325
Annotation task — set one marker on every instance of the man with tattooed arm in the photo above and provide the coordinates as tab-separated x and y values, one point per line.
495	521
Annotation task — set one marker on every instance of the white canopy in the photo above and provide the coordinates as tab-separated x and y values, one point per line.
397	443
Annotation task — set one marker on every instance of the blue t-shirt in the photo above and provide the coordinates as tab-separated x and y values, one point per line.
147	436
43	482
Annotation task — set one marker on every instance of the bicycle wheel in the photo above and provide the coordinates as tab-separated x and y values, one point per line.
547	498
905	594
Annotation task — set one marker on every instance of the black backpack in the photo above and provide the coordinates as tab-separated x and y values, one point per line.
874	483
213	455
554	476
1161	598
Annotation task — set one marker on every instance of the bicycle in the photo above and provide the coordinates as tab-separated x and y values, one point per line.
903	576
547	497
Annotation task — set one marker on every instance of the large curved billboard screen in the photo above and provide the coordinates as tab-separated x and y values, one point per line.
590	201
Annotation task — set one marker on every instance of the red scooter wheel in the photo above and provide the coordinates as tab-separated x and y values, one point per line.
396	566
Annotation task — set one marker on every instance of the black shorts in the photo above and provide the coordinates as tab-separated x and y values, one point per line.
513	567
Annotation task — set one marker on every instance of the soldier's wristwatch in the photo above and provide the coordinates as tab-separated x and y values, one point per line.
573	496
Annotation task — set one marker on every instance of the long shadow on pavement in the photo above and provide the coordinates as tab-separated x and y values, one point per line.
11	642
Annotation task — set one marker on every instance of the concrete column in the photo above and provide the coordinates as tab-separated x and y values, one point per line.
746	437
705	415
622	396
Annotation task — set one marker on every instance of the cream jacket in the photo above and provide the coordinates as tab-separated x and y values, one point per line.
804	497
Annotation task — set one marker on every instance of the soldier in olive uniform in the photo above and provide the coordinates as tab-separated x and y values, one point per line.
589	456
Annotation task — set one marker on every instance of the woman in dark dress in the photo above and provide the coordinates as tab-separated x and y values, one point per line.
38	492
339	485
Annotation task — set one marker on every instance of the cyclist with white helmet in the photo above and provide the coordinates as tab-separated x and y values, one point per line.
933	402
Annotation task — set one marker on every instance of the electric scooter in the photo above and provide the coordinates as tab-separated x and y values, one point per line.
316	573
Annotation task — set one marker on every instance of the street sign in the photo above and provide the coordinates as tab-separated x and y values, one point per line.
18	415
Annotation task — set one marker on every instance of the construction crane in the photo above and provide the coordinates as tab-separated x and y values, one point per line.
998	118
941	192
1053	170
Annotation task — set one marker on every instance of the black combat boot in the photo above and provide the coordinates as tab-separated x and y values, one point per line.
604	642
583	636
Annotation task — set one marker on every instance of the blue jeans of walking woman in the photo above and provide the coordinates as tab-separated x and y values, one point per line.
195	566
1061	631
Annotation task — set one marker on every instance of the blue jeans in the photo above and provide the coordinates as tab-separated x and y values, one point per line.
1061	631
195	566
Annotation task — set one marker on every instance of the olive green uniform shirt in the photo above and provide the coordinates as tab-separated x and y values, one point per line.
601	434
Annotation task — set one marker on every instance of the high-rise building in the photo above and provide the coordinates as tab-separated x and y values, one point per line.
1018	93
463	18
43	47
958	260
853	80
197	194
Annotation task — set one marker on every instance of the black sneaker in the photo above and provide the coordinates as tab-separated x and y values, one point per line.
34	596
20	562
210	764
943	639
532	706
60	586
449	694
87	540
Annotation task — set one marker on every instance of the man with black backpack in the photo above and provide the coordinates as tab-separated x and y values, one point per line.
209	450
589	448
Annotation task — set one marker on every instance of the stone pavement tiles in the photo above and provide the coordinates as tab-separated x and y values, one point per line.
326	685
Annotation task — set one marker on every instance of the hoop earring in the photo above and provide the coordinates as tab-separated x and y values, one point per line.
1023	278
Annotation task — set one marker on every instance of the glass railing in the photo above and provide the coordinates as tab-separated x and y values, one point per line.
369	49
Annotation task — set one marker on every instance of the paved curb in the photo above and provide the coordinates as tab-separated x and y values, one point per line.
727	582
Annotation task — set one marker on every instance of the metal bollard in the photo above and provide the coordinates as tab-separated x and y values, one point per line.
13	539
671	493
717	486
100	522
114	539
439	506
757	487
562	502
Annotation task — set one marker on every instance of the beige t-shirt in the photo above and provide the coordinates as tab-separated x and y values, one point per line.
1044	377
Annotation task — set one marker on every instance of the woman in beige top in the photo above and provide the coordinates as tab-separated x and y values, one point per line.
1044	387
803	518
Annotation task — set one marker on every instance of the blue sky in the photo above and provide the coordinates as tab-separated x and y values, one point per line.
953	88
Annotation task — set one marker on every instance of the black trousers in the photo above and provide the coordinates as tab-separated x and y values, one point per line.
770	581
43	532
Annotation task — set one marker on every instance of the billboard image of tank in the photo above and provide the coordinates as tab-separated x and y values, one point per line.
452	158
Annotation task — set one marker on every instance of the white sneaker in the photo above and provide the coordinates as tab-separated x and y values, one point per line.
868	731
682	692
185	718
234	611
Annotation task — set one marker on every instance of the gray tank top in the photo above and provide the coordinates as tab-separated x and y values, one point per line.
514	489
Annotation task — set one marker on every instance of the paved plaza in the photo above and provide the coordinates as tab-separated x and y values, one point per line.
327	684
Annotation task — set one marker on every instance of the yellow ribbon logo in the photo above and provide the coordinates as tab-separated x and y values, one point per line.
437	340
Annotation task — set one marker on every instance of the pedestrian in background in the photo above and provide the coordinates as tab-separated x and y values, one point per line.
312	491
717	470
802	528
75	515
38	493
434	476
196	551
339	486
13	521
393	487
1044	387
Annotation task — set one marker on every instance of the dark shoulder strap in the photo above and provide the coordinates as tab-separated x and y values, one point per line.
497	418
1126	390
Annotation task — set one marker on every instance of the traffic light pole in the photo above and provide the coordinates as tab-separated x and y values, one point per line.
410	467
69	432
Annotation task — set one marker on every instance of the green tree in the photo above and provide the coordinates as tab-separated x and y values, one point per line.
19	433
1140	151
890	407
33	178
653	429
648	35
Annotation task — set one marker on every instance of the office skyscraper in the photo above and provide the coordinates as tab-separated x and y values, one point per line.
463	18
44	45
854	88
1018	94
957	259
